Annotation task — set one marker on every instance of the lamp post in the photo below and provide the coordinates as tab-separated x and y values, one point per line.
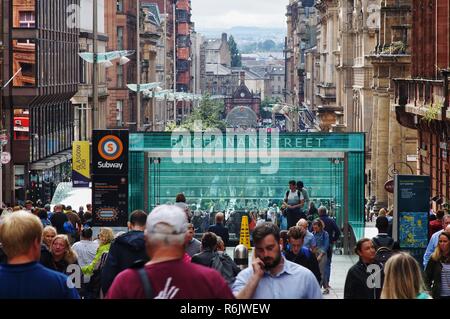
3	132
138	62
174	60
95	68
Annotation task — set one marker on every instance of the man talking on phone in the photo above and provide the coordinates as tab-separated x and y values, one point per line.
271	275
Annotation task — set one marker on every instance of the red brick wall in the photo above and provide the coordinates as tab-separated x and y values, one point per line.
443	28
430	37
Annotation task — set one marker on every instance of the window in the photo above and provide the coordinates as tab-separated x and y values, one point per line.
27	19
120	38
119	5
119	75
119	113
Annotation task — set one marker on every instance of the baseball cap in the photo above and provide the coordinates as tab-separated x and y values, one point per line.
170	215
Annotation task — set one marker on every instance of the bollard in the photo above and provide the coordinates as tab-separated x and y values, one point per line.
241	256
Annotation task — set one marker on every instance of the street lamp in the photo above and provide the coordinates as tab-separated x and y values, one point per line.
3	133
104	58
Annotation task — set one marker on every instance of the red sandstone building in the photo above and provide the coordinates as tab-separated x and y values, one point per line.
120	26
423	101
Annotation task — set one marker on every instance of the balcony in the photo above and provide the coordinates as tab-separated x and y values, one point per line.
326	91
183	78
182	16
183	29
421	97
183	53
183	5
183	65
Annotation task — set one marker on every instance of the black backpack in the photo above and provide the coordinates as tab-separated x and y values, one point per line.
384	252
224	266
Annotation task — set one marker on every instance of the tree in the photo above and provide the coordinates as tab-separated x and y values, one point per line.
235	54
209	112
269	45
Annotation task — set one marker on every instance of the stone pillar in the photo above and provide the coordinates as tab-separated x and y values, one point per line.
373	144
382	149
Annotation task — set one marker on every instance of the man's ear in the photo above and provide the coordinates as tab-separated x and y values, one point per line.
129	225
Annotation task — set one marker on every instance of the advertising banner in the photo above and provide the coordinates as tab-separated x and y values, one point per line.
81	162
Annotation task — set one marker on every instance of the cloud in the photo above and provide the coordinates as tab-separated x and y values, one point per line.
226	14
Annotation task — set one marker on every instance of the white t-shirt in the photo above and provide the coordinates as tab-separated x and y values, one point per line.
293	198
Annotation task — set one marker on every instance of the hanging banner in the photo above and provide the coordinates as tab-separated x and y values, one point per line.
81	173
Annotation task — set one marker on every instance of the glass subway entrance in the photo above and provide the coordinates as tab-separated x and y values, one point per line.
239	173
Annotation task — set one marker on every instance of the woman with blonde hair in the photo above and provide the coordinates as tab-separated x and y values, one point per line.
48	234
62	253
403	278
106	236
437	273
94	269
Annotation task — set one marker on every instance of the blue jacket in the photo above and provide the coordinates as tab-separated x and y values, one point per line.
322	241
125	250
431	247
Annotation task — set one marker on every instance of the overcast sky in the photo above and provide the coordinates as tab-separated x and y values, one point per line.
224	14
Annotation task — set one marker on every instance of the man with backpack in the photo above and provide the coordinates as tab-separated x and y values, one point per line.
125	250
210	257
293	203
299	254
383	243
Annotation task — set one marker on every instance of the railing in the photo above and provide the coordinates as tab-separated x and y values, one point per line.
418	92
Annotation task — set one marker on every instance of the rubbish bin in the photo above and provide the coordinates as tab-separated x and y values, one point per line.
241	256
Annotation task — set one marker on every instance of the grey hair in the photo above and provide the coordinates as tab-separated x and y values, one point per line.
323	211
302	221
447	216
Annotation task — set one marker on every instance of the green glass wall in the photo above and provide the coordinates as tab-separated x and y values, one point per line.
330	165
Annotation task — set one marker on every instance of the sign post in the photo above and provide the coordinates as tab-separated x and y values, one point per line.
411	213
110	178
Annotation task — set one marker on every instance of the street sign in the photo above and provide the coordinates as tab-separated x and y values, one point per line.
6	158
389	186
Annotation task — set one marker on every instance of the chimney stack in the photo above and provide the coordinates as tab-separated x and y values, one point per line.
224	37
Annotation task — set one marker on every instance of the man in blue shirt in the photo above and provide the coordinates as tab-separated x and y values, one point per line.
23	277
271	275
434	241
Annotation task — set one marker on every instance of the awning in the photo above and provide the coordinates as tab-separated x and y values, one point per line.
52	161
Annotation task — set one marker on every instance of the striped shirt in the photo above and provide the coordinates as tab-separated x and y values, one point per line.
445	280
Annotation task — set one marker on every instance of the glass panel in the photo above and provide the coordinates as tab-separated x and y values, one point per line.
320	160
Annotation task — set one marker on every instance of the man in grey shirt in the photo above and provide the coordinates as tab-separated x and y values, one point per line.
271	275
193	245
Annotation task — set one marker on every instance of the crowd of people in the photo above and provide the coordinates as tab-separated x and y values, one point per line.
42	256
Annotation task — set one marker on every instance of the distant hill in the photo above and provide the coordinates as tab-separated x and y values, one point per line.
245	36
